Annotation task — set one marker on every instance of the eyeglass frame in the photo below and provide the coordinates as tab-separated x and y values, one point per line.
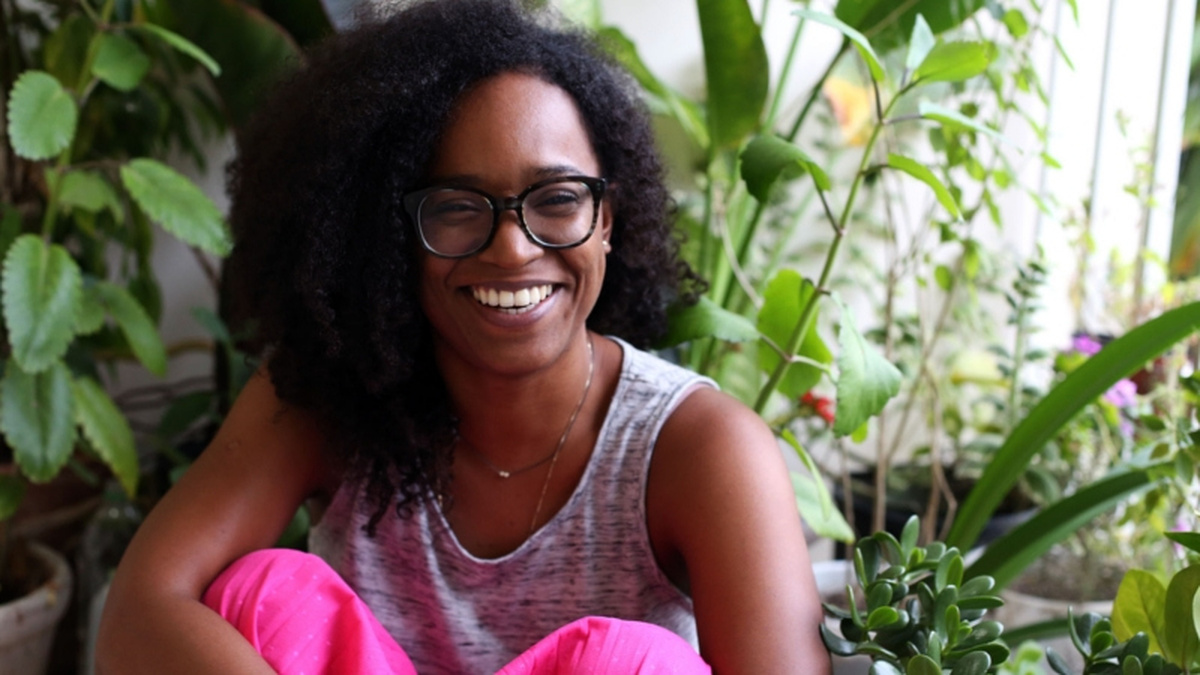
414	200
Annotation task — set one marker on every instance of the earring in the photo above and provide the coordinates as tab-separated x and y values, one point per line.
607	246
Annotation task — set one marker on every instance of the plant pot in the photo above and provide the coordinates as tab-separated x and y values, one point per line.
28	624
908	495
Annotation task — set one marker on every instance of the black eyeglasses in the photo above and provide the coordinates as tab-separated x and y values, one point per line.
455	221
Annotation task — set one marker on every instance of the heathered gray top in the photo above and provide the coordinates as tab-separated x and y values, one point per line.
456	613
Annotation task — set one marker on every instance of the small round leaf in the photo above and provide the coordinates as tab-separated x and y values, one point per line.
41	116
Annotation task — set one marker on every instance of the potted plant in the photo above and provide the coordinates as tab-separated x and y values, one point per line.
89	92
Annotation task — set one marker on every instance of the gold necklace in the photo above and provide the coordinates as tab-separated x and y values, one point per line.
504	474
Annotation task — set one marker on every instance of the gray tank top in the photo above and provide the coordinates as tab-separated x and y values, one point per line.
455	613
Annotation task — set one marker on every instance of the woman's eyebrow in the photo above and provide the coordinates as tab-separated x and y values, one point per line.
537	174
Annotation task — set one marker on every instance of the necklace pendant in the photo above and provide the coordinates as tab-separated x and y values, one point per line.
504	474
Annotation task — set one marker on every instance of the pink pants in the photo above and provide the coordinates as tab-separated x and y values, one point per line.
299	614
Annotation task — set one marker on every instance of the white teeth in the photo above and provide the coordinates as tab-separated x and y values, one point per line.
513	301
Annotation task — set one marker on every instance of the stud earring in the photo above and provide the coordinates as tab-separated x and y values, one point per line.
607	246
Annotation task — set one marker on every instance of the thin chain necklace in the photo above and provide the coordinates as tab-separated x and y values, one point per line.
562	440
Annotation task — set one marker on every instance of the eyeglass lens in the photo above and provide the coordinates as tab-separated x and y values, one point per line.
456	221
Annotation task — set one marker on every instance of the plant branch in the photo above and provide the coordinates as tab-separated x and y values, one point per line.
816	91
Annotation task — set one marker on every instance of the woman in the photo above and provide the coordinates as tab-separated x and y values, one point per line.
452	236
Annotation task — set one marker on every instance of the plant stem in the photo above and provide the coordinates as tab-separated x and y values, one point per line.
804	323
769	124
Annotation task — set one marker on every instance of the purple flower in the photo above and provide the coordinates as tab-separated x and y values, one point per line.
1085	344
1123	394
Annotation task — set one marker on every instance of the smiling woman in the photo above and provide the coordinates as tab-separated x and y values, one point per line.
452	237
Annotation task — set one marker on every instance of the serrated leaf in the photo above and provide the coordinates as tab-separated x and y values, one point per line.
768	160
922	173
701	320
12	490
1139	608
36	416
177	204
120	63
783	301
954	62
41	116
90	191
107	430
866	380
856	38
181	44
42	290
136	325
920	44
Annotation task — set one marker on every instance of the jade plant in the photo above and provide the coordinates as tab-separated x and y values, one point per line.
1104	653
919	615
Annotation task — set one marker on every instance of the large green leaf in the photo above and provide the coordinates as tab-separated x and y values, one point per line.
922	173
1139	608
139	330
1009	555
706	319
36	416
1181	641
783	301
1190	540
252	48
767	160
107	430
42	291
889	24
953	62
1118	359
852	34
120	63
90	191
736	68
177	204
12	491
866	381
41	116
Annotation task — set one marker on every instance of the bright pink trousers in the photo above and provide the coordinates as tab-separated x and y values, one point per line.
299	614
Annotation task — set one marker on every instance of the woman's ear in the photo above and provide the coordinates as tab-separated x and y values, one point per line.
606	224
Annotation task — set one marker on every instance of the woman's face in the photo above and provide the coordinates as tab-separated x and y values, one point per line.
505	134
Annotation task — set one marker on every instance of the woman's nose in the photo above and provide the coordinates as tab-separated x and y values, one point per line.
510	246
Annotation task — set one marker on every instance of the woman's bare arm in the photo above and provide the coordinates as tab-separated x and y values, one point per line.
237	497
722	513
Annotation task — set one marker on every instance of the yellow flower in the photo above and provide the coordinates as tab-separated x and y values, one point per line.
851	103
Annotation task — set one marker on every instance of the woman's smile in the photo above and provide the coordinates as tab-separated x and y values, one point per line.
512	302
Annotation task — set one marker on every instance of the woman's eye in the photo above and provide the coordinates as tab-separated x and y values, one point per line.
456	210
558	200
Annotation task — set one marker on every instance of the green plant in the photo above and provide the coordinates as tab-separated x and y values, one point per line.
920	615
92	93
761	191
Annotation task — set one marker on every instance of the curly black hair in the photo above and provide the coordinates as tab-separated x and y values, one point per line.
324	265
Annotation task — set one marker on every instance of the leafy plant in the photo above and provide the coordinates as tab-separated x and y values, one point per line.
920	615
79	199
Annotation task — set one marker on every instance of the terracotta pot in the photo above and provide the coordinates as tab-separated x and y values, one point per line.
27	625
